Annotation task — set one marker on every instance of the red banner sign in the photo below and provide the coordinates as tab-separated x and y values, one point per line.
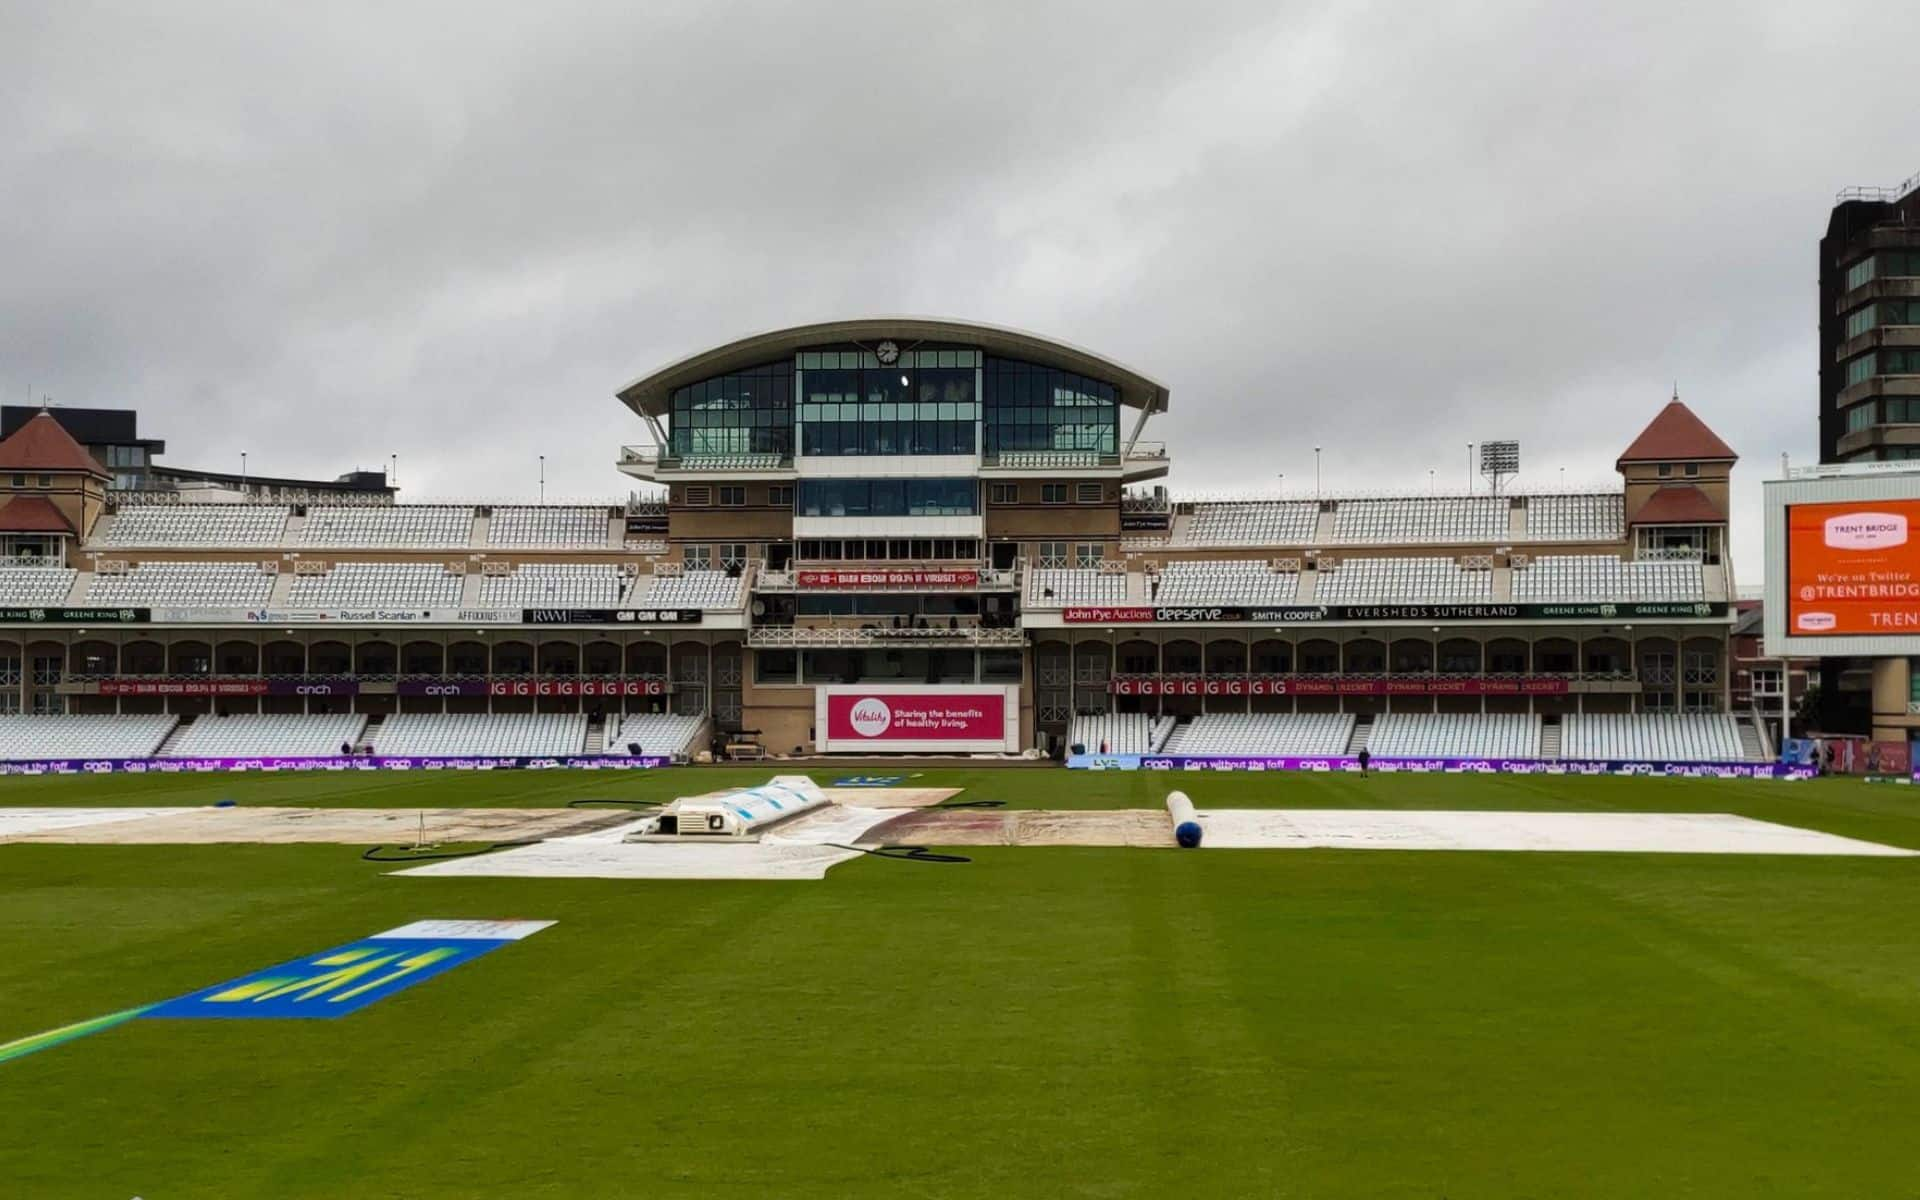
183	687
577	687
1335	685
1217	685
277	687
915	579
881	718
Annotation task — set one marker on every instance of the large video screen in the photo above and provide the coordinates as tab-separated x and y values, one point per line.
1853	568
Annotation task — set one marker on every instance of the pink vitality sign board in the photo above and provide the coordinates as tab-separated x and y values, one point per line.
926	718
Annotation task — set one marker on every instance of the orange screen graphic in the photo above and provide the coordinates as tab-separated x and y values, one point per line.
1853	568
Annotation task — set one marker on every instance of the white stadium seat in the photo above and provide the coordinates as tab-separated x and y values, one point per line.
390	585
1411	519
1252	523
1058	587
1255	734
237	525
1602	578
690	589
543	526
249	735
554	585
185	585
35	585
388	525
655	733
1120	733
1402	581
1455	735
1650	737
1239	582
463	735
103	736
1600	517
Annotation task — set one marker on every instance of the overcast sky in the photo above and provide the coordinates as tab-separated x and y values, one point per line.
324	234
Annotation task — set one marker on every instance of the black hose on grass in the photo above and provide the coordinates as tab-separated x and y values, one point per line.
407	854
595	802
972	804
905	853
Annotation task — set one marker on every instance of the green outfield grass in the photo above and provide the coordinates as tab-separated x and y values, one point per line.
1045	1021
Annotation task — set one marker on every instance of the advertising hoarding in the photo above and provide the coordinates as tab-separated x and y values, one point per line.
1333	685
1853	568
1307	614
1843	563
887	578
917	719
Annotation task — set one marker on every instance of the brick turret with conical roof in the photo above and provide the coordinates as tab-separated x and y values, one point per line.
51	489
1677	471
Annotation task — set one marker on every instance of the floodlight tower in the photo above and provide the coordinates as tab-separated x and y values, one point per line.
1499	461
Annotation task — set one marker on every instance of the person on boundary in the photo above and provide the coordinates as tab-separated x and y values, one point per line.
1365	758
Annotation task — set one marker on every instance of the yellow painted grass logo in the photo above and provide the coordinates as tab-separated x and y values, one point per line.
343	975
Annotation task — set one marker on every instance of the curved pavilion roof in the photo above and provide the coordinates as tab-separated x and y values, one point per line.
649	394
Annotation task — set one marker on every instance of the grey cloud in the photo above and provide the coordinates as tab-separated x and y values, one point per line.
330	234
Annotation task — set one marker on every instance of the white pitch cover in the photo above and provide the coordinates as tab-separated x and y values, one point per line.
19	822
463	931
1621	832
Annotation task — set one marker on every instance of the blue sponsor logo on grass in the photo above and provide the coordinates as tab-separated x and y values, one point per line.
332	983
347	978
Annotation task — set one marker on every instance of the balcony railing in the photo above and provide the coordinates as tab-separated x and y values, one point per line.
766	579
1055	460
666	460
793	636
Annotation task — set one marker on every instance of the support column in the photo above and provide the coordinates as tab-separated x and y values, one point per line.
1482	643
1340	672
1633	669
1246	669
1679	672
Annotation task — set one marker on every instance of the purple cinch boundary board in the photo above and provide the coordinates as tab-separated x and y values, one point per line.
1485	766
358	762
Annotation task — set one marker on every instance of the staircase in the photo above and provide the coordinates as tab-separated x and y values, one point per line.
597	731
1162	730
165	748
1174	734
366	735
1362	731
1550	737
1753	744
